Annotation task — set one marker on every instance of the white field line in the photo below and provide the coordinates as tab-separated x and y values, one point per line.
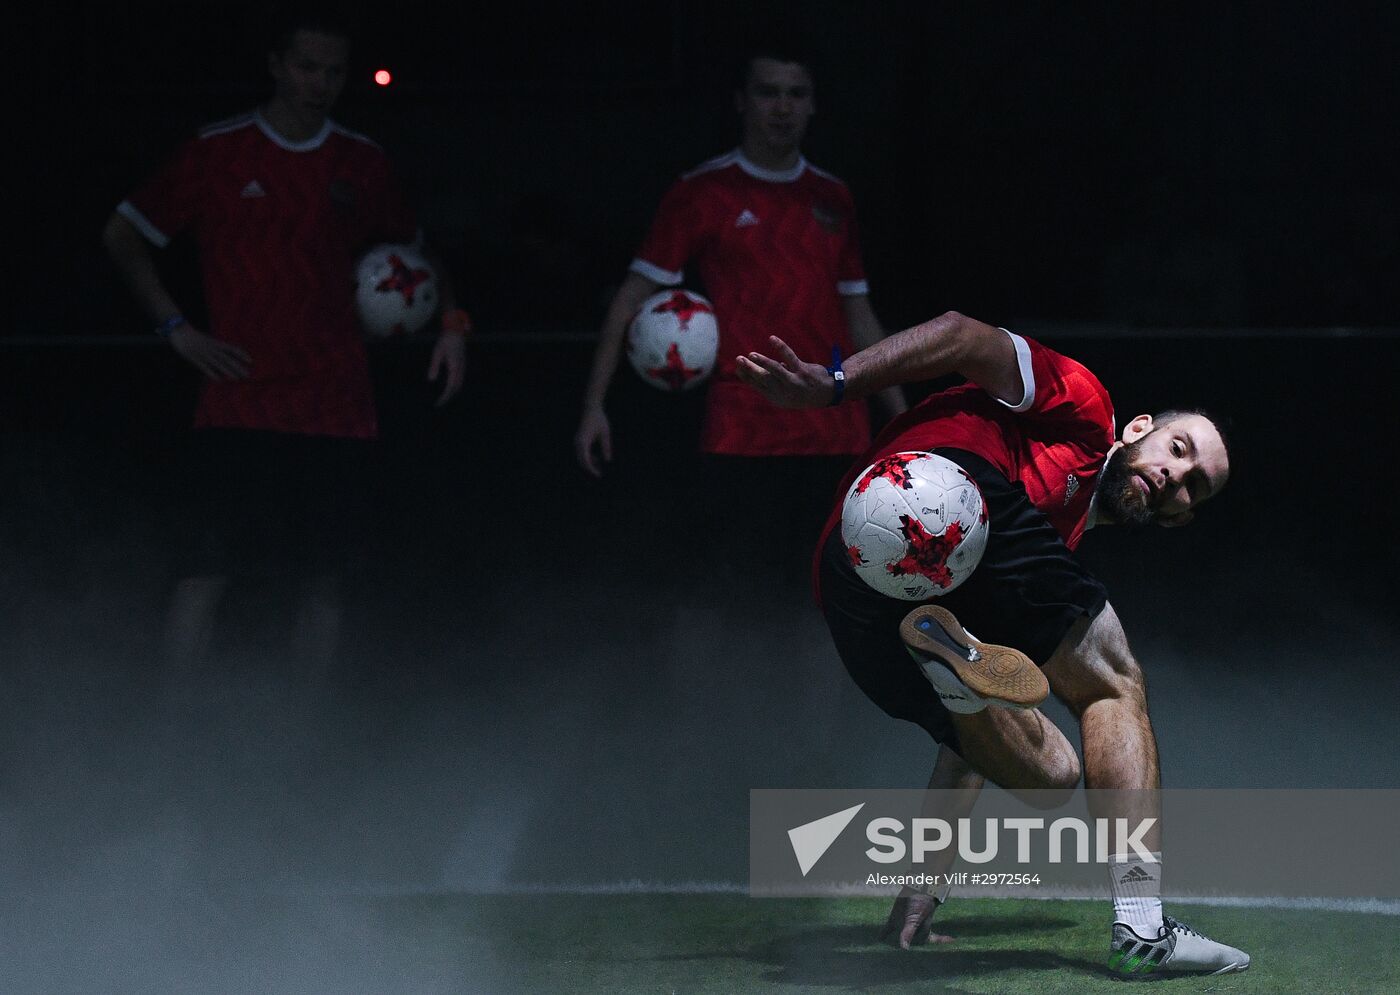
1373	906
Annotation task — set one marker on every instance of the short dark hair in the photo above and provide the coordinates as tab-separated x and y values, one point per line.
322	18
778	52
1170	415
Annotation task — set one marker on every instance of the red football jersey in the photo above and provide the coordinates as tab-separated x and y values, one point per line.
278	225
775	251
1054	441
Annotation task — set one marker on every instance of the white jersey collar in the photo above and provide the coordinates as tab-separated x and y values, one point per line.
1093	517
312	143
771	175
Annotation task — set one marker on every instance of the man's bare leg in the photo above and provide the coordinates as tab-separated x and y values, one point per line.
1094	673
1017	749
185	684
316	638
189	624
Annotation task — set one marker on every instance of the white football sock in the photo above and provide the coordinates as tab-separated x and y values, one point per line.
1136	887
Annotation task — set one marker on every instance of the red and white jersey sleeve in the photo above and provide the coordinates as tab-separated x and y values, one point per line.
850	268
1059	390
675	232
1063	431
171	200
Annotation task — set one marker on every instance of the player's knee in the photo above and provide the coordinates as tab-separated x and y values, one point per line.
953	772
1050	780
1052	785
1045	799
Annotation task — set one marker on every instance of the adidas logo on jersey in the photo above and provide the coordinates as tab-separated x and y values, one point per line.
253	189
746	219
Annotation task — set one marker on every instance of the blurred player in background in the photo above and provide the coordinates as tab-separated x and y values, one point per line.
1035	430
280	201
774	242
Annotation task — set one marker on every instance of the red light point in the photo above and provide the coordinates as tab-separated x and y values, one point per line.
383	77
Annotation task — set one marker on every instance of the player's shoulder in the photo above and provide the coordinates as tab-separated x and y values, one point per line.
704	183
821	177
229	127
252	124
216	140
354	139
1053	358
827	188
1065	376
711	169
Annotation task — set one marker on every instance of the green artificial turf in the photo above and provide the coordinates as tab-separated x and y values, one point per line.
731	943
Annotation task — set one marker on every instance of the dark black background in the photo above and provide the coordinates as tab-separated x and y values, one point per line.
1189	164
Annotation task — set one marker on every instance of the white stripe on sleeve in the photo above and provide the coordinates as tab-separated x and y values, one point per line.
1023	363
655	273
143	224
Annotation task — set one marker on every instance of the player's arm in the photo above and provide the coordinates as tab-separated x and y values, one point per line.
594	432
866	331
450	351
951	343
134	259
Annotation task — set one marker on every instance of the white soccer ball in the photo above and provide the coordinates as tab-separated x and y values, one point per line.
673	340
914	525
396	291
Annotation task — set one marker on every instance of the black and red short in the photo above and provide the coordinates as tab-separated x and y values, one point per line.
1027	591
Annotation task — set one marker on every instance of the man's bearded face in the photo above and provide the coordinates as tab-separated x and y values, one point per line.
1118	497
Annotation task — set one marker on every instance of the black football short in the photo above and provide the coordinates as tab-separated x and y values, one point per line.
274	503
1027	591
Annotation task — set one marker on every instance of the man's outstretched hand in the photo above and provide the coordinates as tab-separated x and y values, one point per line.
786	381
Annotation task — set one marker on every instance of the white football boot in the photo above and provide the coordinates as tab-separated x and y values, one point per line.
1177	948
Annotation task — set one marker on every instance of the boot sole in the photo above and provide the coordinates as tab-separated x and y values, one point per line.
1000	674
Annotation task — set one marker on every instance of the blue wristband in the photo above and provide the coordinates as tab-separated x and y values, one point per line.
838	377
167	327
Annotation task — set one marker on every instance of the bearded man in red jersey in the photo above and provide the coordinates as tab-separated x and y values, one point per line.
1035	431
